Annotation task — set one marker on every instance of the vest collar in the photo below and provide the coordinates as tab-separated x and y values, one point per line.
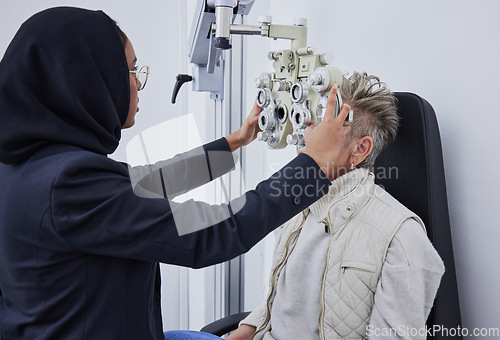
342	189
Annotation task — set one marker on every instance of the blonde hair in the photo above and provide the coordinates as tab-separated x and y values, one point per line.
375	112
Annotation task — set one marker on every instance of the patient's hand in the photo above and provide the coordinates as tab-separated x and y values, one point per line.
244	332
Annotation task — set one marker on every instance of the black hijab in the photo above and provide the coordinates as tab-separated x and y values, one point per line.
63	80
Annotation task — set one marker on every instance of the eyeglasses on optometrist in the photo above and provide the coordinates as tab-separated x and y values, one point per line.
142	75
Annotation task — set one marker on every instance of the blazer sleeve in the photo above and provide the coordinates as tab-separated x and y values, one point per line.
95	210
183	172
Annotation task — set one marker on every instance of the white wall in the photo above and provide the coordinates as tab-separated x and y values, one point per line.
447	52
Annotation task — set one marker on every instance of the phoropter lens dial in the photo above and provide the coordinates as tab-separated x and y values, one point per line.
299	92
264	97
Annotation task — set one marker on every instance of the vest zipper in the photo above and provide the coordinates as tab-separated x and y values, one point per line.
275	271
322	307
327	225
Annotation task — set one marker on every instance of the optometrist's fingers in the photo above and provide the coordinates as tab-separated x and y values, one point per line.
325	141
253	117
331	103
344	112
248	130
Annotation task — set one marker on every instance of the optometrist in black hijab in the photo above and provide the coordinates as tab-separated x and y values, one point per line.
79	251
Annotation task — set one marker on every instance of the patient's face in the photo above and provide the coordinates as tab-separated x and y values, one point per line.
342	163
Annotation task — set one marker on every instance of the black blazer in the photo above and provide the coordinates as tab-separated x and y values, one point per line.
79	251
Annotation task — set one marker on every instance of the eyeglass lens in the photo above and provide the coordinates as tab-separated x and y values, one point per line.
142	75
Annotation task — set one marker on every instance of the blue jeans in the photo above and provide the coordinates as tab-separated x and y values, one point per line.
189	335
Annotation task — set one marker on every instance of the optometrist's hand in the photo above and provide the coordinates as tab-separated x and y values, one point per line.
248	130
325	141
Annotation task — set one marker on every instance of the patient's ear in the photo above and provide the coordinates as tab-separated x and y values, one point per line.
362	148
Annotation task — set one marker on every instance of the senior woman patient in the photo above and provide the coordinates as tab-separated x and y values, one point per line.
79	249
356	263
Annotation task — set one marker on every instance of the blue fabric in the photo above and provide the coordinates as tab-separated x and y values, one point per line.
188	335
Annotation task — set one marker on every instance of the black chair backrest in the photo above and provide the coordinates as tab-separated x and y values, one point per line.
411	169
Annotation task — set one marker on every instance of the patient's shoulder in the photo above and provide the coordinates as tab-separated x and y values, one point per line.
411	247
384	198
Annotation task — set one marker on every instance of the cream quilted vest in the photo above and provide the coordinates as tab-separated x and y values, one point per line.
362	223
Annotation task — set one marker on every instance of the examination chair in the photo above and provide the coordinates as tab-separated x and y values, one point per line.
419	184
